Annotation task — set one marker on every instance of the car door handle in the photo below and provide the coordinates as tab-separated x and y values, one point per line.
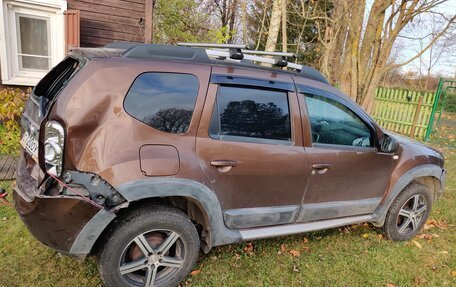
223	163
321	168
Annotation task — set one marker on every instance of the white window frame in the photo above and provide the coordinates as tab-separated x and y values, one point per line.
52	11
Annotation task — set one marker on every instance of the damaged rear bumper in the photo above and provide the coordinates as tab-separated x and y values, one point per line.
69	225
66	223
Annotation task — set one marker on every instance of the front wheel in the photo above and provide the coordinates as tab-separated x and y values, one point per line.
408	212
155	246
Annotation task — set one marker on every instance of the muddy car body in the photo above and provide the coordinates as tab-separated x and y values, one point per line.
97	153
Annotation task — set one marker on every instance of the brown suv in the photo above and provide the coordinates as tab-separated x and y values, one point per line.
142	154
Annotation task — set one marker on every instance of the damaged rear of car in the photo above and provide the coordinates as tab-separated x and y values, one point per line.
61	207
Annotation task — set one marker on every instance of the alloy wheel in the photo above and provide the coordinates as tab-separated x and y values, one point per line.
152	258
411	214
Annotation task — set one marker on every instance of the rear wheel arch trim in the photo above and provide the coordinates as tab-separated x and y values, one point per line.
174	187
88	236
427	170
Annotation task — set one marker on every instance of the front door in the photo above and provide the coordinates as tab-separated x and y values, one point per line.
250	149
349	175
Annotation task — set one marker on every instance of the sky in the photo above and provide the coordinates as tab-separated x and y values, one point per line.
446	65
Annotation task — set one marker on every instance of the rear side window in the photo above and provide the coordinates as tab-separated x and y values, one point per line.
164	101
251	113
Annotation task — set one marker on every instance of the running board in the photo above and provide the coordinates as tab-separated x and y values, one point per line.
274	231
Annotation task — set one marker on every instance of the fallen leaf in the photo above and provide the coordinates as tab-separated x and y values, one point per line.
195	272
440	224
390	285
295	253
365	235
237	256
306	248
419	280
248	248
417	244
305	240
444	252
424	236
435	235
283	248
453	273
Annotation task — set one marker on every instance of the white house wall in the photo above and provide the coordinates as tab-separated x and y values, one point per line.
53	8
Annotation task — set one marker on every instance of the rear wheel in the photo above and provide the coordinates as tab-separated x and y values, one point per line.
150	247
408	212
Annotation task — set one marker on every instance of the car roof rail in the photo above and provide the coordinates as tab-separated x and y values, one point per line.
220	46
240	52
204	52
245	53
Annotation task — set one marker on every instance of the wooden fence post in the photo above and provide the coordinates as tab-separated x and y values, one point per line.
149	21
416	117
72	27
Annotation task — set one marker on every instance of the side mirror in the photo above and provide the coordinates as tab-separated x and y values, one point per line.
388	144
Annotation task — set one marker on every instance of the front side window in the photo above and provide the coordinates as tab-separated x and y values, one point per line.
251	113
164	101
333	123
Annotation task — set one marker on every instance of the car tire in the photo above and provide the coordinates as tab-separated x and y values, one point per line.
154	246
408	212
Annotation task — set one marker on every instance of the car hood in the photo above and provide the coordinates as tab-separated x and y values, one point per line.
417	148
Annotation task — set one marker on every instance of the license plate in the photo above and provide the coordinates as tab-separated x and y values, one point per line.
30	144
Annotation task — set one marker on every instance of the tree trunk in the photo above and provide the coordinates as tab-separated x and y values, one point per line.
265	10
284	25
334	46
349	78
274	26
232	17
368	103
244	22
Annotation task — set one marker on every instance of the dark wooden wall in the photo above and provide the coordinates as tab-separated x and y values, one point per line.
106	21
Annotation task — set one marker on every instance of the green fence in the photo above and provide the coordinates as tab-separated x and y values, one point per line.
396	110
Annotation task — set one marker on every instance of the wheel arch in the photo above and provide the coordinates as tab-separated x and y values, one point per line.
198	201
428	174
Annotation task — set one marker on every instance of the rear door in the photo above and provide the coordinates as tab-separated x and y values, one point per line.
249	145
349	175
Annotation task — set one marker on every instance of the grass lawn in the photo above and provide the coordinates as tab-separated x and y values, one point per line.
351	256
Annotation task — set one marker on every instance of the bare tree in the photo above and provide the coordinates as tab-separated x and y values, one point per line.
244	21
226	11
441	51
274	26
357	51
283	10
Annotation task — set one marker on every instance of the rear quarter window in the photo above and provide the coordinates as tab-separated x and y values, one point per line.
164	101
